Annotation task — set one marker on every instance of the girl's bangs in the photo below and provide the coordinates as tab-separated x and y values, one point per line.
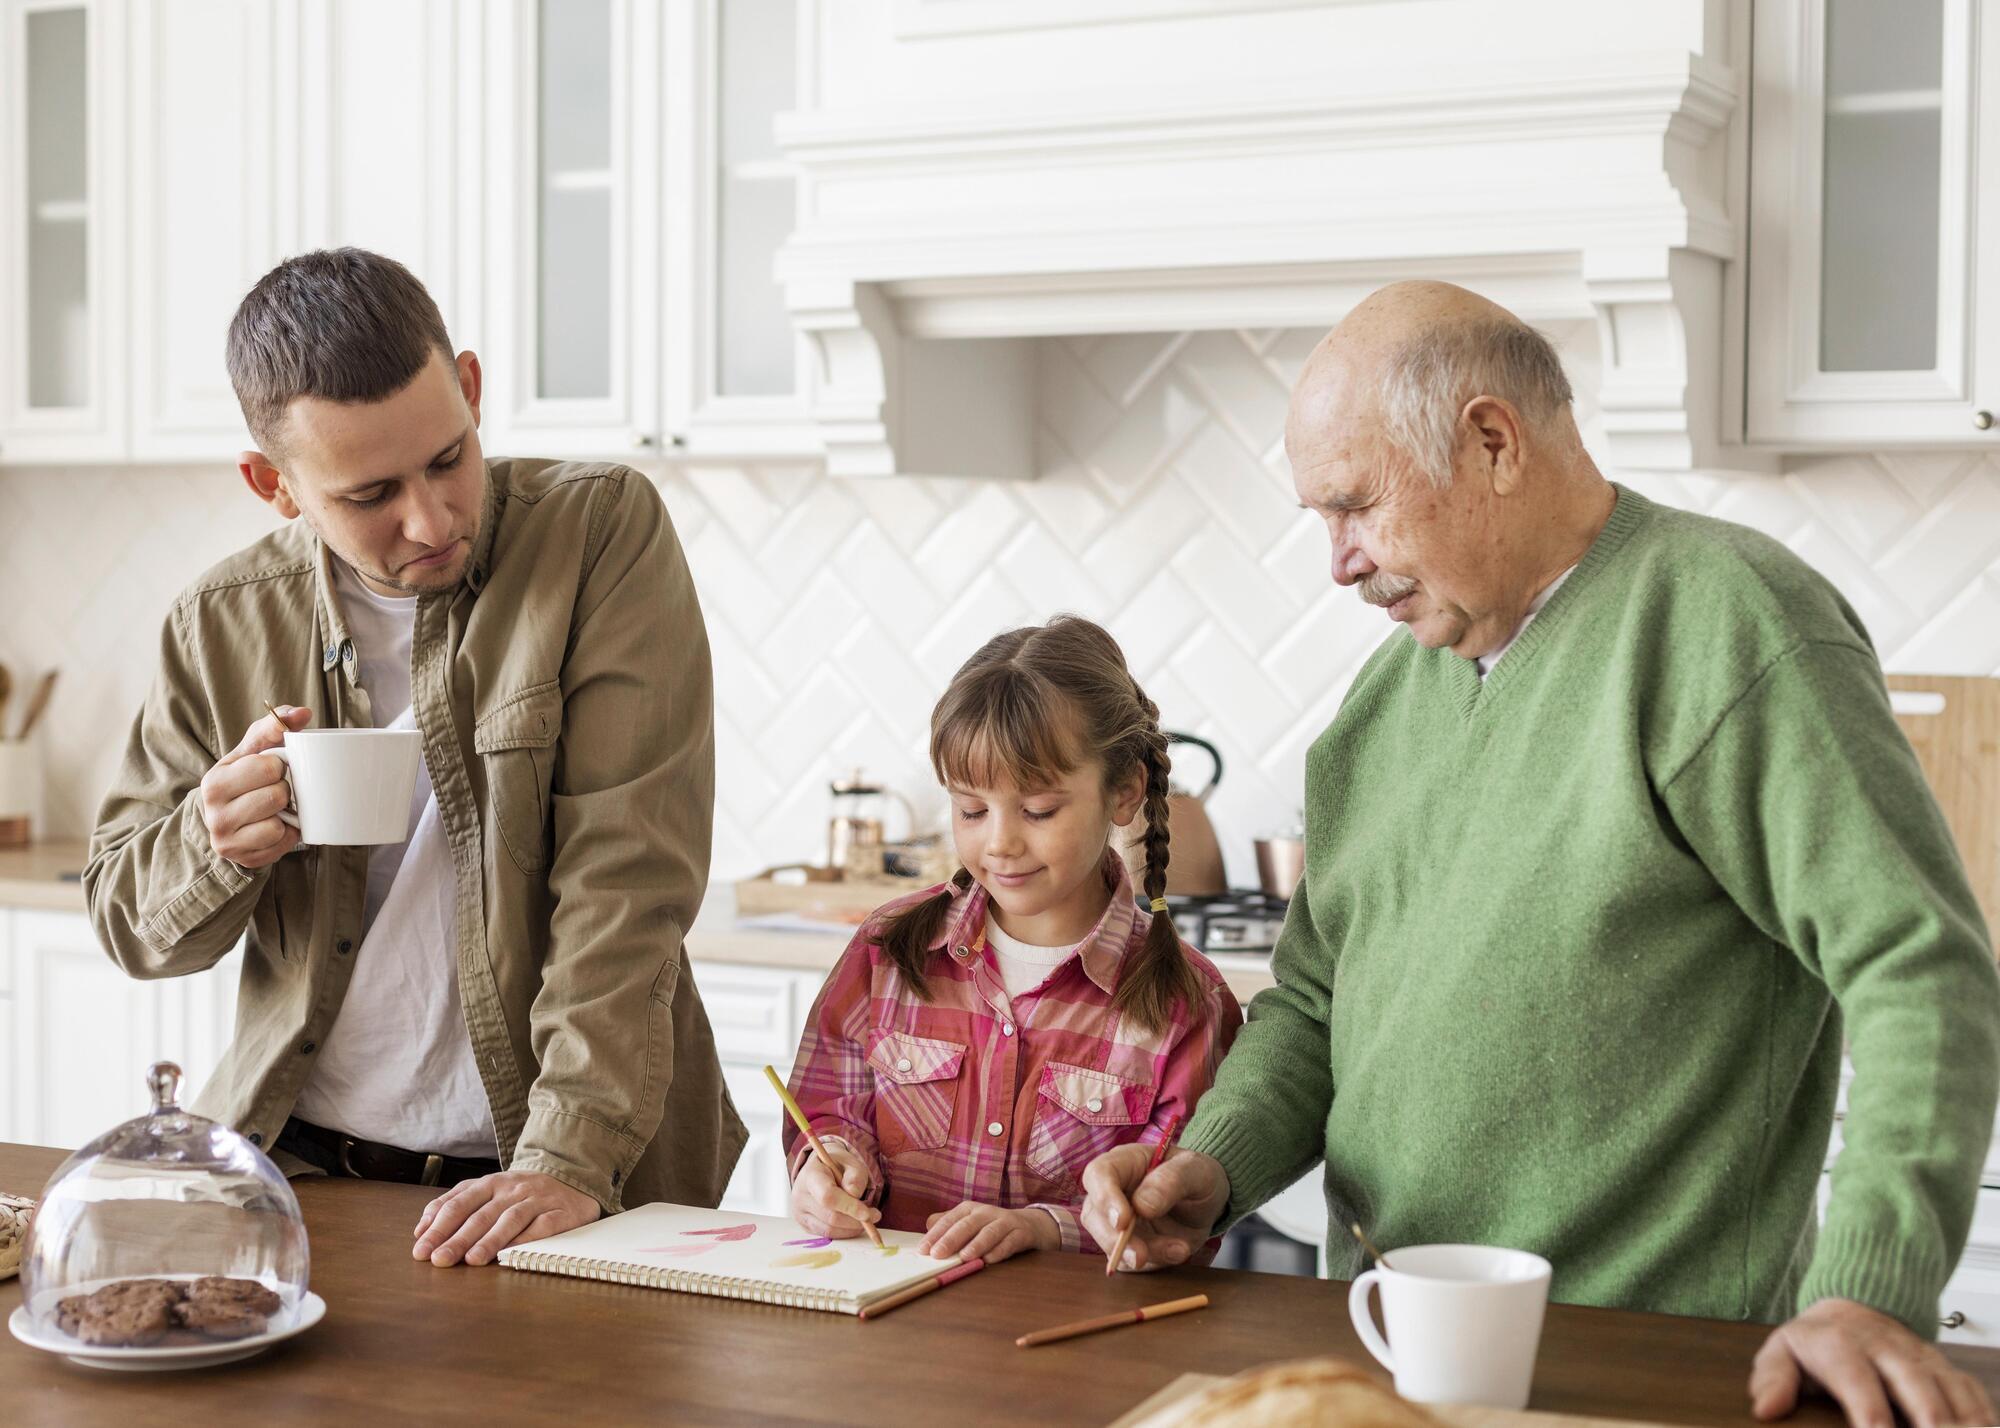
1008	740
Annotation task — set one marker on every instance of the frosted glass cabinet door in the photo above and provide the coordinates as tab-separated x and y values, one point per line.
55	247
1869	279
737	370
573	197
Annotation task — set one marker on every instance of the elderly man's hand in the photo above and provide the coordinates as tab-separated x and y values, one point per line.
1866	1361
1177	1205
476	1220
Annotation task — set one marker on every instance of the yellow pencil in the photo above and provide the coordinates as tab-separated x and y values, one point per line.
799	1116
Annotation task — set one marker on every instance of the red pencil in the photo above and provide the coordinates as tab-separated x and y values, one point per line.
918	1291
1125	1235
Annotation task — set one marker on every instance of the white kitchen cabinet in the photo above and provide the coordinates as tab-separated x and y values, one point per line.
214	150
758	1014
587	187
61	221
1874	264
572	216
738	374
77	1034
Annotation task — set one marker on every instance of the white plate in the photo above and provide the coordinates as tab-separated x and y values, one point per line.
311	1310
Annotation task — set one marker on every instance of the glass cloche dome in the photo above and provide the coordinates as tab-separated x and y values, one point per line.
168	1196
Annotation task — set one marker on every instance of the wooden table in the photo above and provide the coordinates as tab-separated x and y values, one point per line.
403	1342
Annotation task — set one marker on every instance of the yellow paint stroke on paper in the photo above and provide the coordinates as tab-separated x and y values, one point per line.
889	1250
808	1259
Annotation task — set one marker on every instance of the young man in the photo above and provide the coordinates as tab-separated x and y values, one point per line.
499	1004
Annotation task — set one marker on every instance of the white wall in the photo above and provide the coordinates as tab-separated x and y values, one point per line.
839	609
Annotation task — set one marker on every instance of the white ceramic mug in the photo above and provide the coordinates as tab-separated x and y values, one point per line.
351	786
1464	1322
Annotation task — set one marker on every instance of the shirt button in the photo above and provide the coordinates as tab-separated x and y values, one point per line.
309	1048
903	1063
343	947
256	1137
1007	1028
965	952
1094	1105
994	1128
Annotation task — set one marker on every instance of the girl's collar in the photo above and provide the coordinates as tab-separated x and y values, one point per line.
1102	951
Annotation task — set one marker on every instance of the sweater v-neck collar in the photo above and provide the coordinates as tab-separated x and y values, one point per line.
1474	693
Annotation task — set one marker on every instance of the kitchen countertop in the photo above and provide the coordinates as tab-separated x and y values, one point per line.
411	1343
31	878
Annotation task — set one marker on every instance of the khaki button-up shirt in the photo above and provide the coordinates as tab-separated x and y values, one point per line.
565	699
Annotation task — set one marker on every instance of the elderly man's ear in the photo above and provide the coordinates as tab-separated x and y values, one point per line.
1498	452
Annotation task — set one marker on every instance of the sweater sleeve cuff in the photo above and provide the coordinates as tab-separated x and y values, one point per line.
1887	1274
1257	1168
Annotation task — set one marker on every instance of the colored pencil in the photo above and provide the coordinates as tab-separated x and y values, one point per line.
799	1117
1111	1321
918	1291
1125	1235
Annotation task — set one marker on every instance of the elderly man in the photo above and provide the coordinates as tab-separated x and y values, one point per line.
1604	859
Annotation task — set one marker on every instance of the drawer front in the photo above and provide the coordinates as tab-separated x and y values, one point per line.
1969	1308
755	1012
760	1185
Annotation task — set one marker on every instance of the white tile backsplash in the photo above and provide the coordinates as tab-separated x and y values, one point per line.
838	609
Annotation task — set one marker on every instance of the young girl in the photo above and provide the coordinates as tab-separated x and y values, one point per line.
979	1043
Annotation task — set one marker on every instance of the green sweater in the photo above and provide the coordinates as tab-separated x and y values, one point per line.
1569	967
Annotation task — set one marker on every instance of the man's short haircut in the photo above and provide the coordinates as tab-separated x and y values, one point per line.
1427	384
340	324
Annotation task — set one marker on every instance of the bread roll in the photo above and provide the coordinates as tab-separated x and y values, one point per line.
14	1212
1302	1393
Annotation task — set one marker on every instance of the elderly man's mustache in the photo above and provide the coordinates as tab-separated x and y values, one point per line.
1385	590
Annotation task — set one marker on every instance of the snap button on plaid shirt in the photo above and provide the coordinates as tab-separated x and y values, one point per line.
945	1103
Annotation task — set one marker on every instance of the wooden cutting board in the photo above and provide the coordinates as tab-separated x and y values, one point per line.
1953	722
1454	1415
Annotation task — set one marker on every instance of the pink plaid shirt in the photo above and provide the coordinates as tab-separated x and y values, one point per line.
971	1096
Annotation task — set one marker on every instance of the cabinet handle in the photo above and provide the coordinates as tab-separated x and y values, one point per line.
646	439
1954	1320
1983	420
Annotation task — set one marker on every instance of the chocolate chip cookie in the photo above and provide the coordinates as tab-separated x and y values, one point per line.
227	1308
129	1314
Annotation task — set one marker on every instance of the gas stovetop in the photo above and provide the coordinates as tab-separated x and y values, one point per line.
1240	921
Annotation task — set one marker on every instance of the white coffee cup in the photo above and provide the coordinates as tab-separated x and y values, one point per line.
1464	1321
351	786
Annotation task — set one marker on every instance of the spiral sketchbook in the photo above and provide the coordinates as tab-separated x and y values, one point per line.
732	1256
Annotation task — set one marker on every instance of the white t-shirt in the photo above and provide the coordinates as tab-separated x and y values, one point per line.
1023	966
1487	661
397	1064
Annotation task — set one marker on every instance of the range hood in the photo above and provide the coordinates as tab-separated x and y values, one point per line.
937	236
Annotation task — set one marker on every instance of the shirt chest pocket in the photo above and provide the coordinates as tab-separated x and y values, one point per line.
516	744
916	1090
1080	1114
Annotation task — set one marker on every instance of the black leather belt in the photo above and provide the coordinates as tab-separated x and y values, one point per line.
340	1154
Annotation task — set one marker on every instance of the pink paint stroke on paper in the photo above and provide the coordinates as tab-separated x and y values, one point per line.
727	1234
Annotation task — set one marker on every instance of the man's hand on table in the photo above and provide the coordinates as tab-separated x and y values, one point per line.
1866	1361
1177	1205
474	1221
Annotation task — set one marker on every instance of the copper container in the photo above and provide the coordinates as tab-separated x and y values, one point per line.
1281	862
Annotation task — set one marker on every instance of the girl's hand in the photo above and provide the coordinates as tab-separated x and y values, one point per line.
830	1209
974	1231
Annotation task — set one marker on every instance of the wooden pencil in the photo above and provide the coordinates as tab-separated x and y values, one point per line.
1125	1235
799	1117
1112	1321
918	1291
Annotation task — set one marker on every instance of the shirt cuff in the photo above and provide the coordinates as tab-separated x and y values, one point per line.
582	1153
1075	1239
802	1152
